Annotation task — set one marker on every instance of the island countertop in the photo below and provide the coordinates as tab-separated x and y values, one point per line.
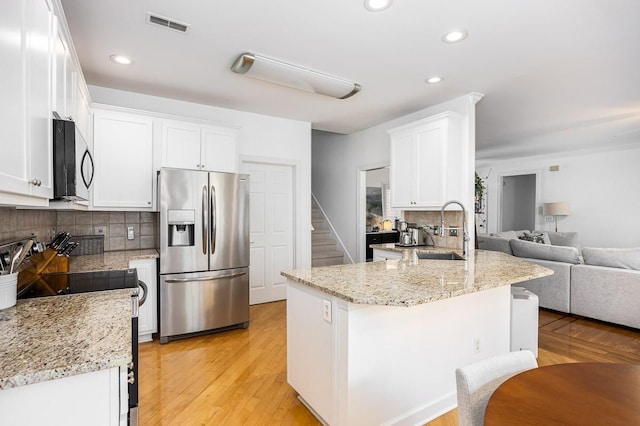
54	337
413	282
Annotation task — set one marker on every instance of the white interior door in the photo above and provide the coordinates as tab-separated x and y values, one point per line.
271	228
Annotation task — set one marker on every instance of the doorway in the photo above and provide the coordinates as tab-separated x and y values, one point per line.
271	230
518	202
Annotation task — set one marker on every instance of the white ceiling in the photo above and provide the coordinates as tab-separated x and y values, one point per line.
557	75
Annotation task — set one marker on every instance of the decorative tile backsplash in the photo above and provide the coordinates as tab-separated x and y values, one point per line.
451	219
16	224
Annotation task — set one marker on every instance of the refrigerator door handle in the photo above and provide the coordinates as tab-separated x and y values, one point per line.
205	218
213	219
188	280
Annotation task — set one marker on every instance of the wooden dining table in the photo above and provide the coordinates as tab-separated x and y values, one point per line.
589	393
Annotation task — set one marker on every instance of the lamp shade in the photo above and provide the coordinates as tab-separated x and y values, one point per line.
560	208
273	71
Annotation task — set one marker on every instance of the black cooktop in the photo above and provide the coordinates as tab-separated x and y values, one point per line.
79	282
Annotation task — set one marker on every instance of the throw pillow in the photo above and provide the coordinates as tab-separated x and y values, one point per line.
569	239
531	250
536	237
509	235
627	258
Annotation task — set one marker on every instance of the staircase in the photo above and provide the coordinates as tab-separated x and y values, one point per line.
323	247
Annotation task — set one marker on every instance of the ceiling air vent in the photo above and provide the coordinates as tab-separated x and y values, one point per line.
166	22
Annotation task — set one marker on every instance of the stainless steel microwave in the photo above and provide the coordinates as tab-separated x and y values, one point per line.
73	167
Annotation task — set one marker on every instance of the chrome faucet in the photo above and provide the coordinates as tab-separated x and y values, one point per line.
465	235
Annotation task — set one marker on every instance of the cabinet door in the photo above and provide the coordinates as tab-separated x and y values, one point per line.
59	76
13	161
218	149
39	45
148	314
181	145
379	255
401	180
429	175
82	113
123	147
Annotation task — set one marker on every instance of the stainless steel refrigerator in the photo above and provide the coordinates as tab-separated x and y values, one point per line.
204	252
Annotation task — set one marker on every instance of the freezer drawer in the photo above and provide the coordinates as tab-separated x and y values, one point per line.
197	302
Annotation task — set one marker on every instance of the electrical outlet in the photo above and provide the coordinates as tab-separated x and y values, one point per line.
453	232
476	345
548	218
99	230
326	310
130	234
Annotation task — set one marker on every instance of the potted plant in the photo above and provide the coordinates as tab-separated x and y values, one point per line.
479	194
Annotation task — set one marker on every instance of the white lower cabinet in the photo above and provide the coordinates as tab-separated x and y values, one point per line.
385	255
148	314
123	147
98	398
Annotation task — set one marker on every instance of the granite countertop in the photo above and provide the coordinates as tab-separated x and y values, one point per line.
413	281
109	260
54	337
405	250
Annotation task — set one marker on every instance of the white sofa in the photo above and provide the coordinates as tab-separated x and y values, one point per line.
601	283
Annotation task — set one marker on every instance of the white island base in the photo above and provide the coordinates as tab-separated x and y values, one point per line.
388	365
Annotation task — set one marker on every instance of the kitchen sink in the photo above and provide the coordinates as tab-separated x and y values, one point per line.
440	256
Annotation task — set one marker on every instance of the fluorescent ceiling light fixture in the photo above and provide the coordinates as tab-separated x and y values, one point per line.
455	36
434	80
120	59
377	5
273	71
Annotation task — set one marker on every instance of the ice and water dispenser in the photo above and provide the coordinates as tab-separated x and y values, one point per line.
181	227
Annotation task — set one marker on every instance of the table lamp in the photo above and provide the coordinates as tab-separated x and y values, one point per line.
559	208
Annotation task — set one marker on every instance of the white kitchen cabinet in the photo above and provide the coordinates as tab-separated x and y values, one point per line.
98	398
385	255
148	314
123	148
425	167
187	145
26	48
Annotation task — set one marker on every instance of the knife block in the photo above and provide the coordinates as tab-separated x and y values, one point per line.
47	262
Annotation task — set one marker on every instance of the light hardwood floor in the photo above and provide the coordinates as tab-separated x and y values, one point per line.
239	377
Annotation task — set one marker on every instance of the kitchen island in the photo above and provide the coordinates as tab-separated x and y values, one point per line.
379	342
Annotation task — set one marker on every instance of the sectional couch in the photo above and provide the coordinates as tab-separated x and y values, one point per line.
599	283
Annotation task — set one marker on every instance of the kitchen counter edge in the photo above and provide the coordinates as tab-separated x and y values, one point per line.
406	283
51	338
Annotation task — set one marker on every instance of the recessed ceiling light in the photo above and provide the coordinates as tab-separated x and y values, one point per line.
377	5
119	59
455	36
434	80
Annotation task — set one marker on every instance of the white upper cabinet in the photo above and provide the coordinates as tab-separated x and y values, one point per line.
425	172
26	49
123	147
187	145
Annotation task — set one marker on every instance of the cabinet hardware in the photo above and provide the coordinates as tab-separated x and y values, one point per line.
36	182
